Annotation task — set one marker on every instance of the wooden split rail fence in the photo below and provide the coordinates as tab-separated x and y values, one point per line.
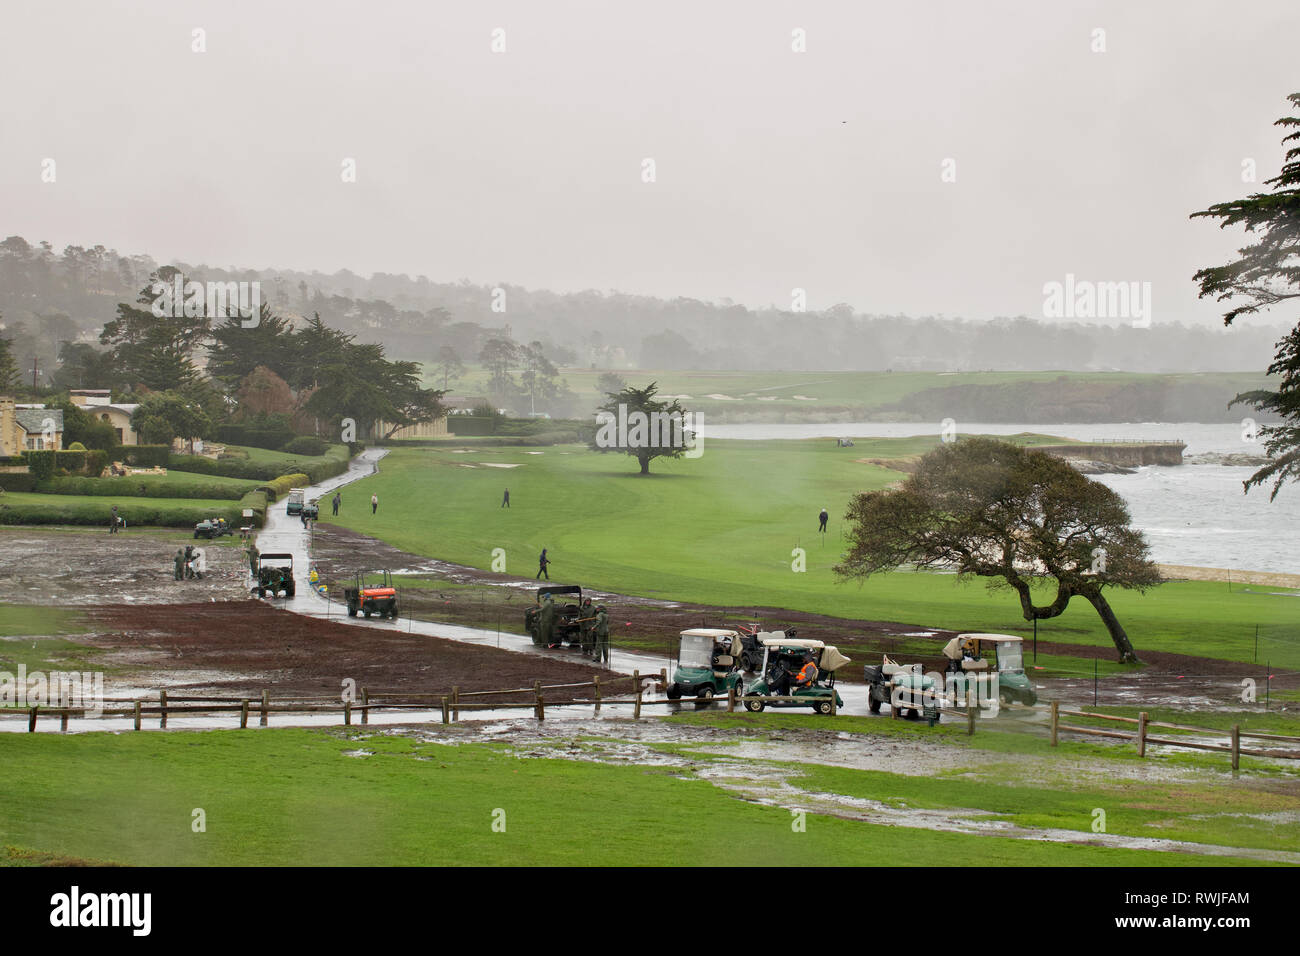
450	704
1141	737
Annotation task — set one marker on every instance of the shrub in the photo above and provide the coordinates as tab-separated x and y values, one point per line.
41	464
269	435
56	509
67	462
279	487
257	502
14	481
131	486
76	446
146	456
329	465
306	445
96	461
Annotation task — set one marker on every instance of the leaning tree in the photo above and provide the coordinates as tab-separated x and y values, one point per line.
1012	515
1266	273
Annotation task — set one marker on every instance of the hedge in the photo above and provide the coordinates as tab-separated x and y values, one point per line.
279	487
273	438
257	501
130	486
317	471
307	445
17	481
55	510
471	424
41	464
144	456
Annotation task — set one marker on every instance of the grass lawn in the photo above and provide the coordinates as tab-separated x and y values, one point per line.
313	797
722	529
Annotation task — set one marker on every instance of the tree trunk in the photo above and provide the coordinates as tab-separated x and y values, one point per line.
645	465
1126	653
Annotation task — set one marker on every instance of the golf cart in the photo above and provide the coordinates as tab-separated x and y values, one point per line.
567	629
310	510
212	528
999	655
780	652
294	507
274	574
751	649
378	598
916	692
706	664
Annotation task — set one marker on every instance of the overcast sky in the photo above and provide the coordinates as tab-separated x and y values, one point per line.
774	169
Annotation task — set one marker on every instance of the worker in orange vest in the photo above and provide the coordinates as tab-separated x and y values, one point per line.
806	677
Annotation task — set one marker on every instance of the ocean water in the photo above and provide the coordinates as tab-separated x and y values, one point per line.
1190	514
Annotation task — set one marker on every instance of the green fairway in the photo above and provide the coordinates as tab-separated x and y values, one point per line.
278	797
722	529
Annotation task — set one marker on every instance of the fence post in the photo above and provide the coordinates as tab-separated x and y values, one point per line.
1236	746
970	719
1056	718
63	719
663	678
446	711
835	707
266	707
162	710
540	708
347	713
137	715
731	699
1142	733
243	714
31	719
597	683
455	703
365	706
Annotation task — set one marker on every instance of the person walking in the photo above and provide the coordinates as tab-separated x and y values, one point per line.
178	562
505	500
338	500
374	503
113	519
601	631
822	518
543	562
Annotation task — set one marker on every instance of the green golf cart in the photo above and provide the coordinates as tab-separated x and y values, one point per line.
998	655
781	652
903	687
707	664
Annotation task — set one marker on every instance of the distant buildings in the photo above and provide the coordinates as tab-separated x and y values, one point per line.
29	428
99	402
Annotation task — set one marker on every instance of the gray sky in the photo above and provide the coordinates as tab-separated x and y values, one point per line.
775	169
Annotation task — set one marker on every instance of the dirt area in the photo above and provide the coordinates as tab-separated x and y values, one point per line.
234	645
94	567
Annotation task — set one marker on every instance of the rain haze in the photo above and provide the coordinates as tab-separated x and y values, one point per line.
928	159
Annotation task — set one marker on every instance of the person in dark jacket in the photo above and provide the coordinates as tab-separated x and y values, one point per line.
338	500
543	562
822	518
505	499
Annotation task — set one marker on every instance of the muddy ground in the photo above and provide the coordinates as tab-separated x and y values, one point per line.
232	645
66	568
158	630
